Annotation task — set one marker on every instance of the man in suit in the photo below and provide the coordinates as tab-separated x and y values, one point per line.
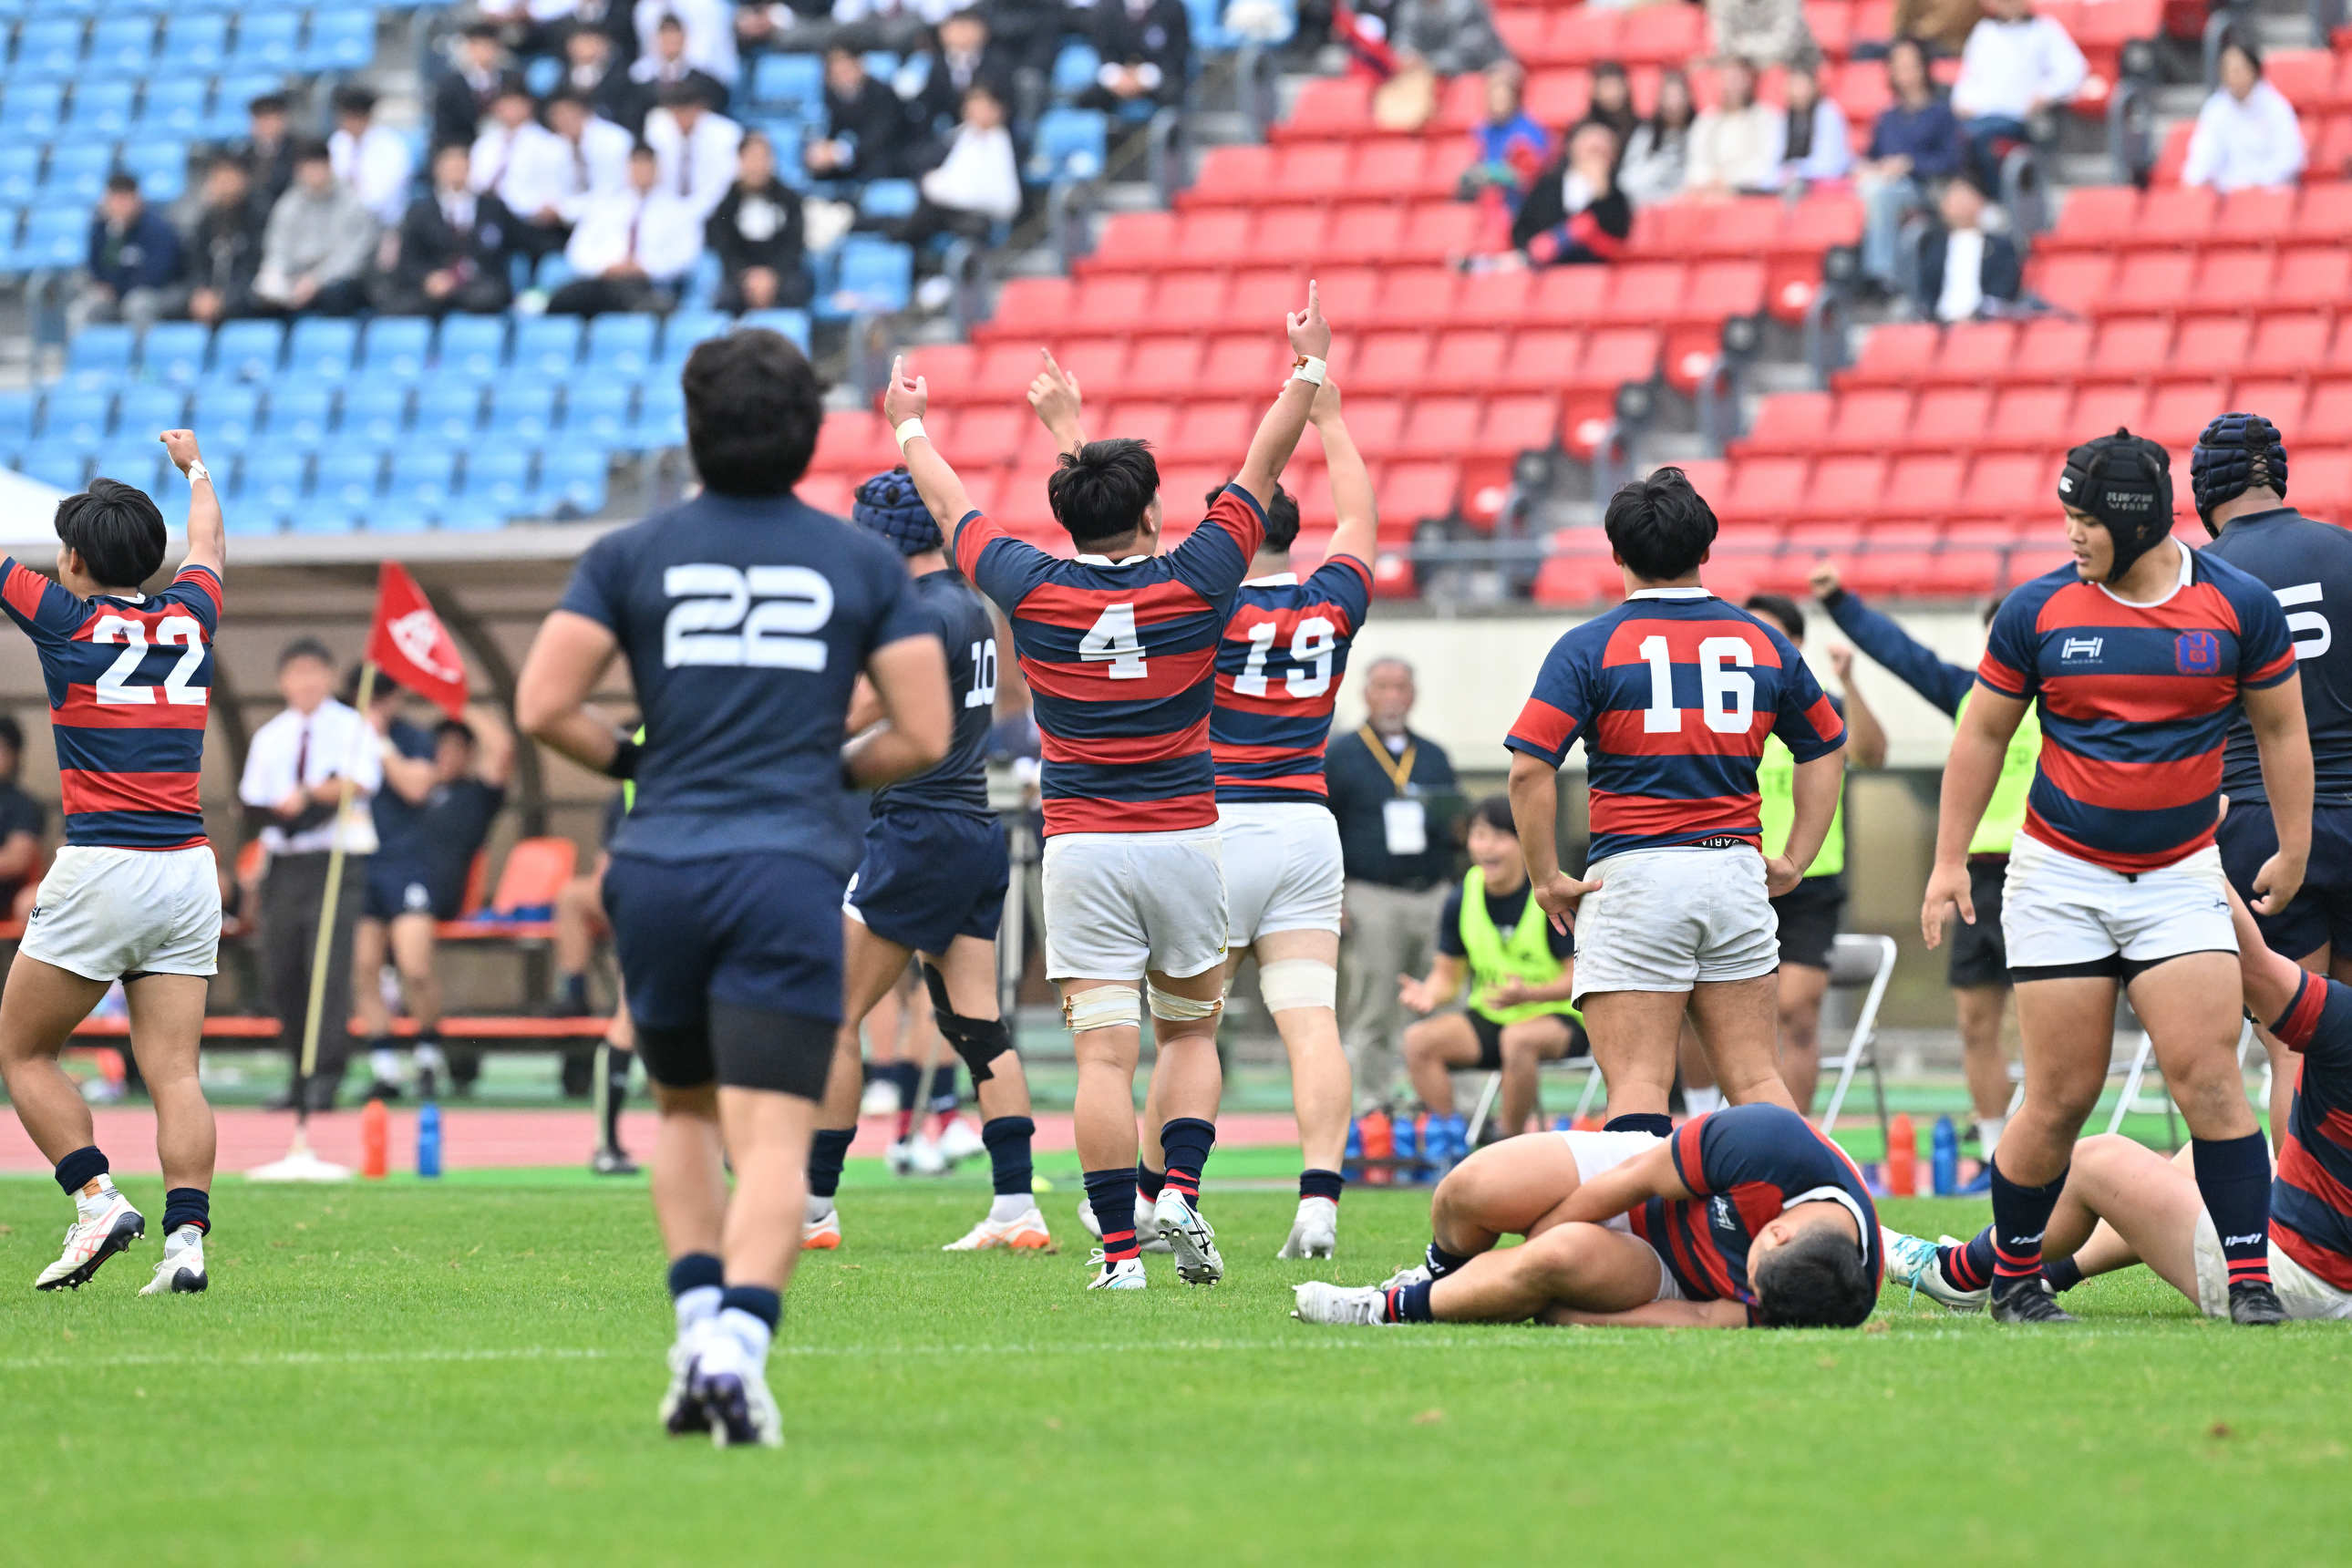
665	65
455	246
1964	272
464	96
964	52
1146	55
593	69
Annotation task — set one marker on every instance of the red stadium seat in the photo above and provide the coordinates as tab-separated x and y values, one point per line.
2011	485
1409	167
1791	422
1533	361
1309	172
1524	423
1498	299
2051	350
2027	418
1922	484
2325	417
949	368
1098	364
1438	428
858	443
2101	217
1844	489
2176	413
1968	572
1558	96
1660	36
1568	296
1032	306
1467	362
1149	422
2146	279
2324	212
1762	487
1374	422
1103	305
1388	363
1362	233
2100	409
1413	493
1895	354
1187	302
1437	231
1327	108
1167	365
1237	365
2287	342
2322	482
1976	352
1899	573
2207	344
1231	176
2279	399
1003	374
1212	433
988	434
2312	275
1869	421
2076	280
1418	296
1949	417
2236	276
2181	215
2305	78
1131	241
2255	215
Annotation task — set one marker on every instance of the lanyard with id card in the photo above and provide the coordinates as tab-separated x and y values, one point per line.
1404	821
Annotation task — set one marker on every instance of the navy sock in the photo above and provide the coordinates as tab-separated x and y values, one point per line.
1410	1303
693	1272
944	1099
908	1079
616	1093
188	1205
763	1303
1112	1194
1186	1142
1321	1185
2064	1274
1007	1138
1148	1182
1969	1263
1661	1125
2019	1217
572	990
827	1150
80	1168
2233	1176
1441	1262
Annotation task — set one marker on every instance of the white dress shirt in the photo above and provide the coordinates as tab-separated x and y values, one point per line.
375	165
515	164
598	163
307	749
1963	275
696	169
709	33
980	174
2235	145
1830	157
661	233
2006	67
1739	148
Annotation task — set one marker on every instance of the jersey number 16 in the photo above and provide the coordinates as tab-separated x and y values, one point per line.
1727	692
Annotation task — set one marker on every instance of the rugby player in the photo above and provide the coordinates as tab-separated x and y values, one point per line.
1748	1217
2136	654
746	617
1279	666
1119	647
134	895
932	883
1979	972
1672	694
2237	473
2125	1204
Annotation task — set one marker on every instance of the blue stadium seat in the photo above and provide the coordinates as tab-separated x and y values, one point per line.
100	109
573	479
101	354
880	64
33	109
547	345
268	40
376	412
554	272
1069	145
174	352
226	414
425	477
887	199
687	328
54	236
48	48
140	467
20	172
474	347
227	118
340	40
621	344
123	44
196	44
348	480
396	348
299	414
76	417
448	411
161	164
244	517
661	416
275	480
788	82
145	409
598	410
248	351
522	411
542	76
174	106
793	324
76	173
322	346
498	486
875	275
16	421
62	466
1075	69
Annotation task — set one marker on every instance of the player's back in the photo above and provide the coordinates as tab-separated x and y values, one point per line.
1279	666
2311	1198
959	782
128	681
746	622
2308	565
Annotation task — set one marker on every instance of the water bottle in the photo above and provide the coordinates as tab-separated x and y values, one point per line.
428	1140
1944	1158
375	1139
1901	1157
1407	1147
1380	1146
1351	1163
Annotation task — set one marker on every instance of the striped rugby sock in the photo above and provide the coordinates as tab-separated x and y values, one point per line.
2233	1176
1112	1194
2019	1217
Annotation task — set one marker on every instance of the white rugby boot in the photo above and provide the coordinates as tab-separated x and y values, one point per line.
182	1271
1126	1274
1355	1306
1025	1232
1316	1231
1912	1261
89	1242
1190	1237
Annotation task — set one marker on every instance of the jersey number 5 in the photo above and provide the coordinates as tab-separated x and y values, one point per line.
1727	692
759	617
2309	628
113	689
1113	641
1310	657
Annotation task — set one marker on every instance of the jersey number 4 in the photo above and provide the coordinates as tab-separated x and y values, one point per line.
1113	641
760	617
114	689
1727	692
1310	658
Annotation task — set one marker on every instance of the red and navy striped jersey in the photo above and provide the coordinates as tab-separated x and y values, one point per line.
1278	673
1743	1167
129	683
1120	656
2311	1197
1673	692
2136	704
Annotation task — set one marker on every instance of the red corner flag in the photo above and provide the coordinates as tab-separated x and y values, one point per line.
411	646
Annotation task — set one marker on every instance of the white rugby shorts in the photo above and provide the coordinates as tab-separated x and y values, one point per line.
103	913
1596	1154
1121	905
2059	909
1282	868
2304	1295
1666	919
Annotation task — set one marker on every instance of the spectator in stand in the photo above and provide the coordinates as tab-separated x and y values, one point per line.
897	25
631	248
135	260
269	147
464	97
1509	148
594	69
1146	55
2016	65
1574	213
316	248
977	184
962	52
1915	142
520	160
1816	147
593	154
709	30
1448	37
1965	271
23	823
757	235
223	250
666	64
694	147
2247	134
373	161
455	247
1611	103
1766	31
866	129
1734	147
1942	25
1657	163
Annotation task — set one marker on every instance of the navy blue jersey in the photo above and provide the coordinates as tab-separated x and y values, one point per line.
960	619
395	817
2308	565
2311	1197
745	622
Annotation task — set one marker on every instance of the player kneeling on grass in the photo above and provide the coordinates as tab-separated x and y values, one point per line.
2125	1204
134	895
932	882
1746	1217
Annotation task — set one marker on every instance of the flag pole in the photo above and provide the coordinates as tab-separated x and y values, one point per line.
300	1164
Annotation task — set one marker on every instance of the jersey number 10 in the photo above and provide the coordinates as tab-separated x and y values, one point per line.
1727	695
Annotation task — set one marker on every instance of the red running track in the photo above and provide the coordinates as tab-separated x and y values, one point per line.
483	1139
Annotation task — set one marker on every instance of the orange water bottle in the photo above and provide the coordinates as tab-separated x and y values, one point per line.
1379	1148
1901	1157
376	1139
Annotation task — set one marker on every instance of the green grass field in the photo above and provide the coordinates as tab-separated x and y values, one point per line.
412	1373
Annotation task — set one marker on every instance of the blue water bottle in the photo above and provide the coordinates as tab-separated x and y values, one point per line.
1407	1146
428	1140
1944	1158
1351	1163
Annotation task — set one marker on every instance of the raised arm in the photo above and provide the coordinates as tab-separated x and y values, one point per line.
1352	481
935	481
494	744
1905	658
1866	737
207	537
1278	433
1053	398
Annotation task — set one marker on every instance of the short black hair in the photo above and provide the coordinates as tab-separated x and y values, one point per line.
305	647
1281	517
311	150
116	530
567	93
443	149
480	29
1993	605
1818	1279
510	85
449	728
669	19
353	100
122	181
1494	811
752	406
1660	526
266	103
12	734
1781	609
681	93
2243	39
1101	491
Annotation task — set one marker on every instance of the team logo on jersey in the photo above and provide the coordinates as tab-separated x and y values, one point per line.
2074	649
2196	653
1719	1213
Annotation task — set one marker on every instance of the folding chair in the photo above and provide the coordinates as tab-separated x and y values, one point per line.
1865	964
1494	1090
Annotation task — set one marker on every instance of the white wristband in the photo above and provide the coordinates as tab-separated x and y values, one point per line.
198	472
1307	369
907	431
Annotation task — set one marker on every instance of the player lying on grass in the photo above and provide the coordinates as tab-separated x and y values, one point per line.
2125	1204
1747	1218
134	895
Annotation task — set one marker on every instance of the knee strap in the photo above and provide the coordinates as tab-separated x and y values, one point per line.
1104	1007
1289	983
1178	1009
978	1041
